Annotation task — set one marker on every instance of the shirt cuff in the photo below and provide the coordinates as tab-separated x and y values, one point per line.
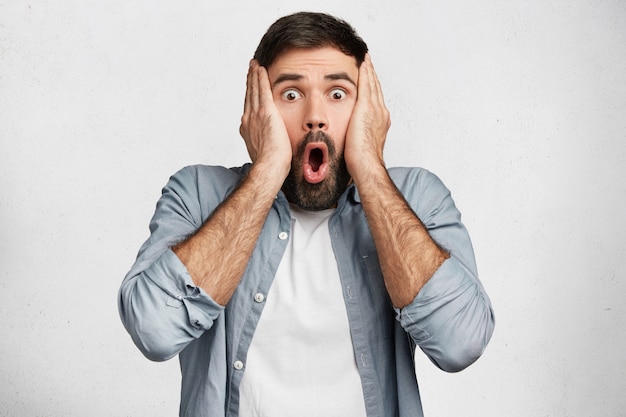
171	276
436	302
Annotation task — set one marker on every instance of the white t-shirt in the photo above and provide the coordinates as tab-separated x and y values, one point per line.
301	361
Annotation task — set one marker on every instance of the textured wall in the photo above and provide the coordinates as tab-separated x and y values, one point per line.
520	107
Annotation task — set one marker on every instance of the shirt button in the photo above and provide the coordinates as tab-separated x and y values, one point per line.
258	297
238	365
283	235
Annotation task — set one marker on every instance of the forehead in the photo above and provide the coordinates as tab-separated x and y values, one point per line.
310	62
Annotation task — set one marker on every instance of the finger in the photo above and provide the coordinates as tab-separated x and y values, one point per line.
246	102
243	127
371	75
363	88
254	86
265	88
377	91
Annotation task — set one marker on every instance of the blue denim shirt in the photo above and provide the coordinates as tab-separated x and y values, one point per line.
451	319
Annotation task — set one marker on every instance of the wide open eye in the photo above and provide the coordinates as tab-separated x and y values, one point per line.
338	94
291	94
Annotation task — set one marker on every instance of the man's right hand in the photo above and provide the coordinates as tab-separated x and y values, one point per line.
262	126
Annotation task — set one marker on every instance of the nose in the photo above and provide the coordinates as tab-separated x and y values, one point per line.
315	115
311	126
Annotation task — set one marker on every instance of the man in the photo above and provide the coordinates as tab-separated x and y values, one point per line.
300	284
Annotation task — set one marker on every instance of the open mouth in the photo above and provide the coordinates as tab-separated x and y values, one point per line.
315	162
316	158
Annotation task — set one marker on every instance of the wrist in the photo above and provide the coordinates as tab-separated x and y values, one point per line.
368	171
271	172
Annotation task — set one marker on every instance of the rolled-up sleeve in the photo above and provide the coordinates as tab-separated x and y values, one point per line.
451	319
160	307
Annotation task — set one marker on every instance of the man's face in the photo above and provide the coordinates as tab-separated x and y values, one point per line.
315	91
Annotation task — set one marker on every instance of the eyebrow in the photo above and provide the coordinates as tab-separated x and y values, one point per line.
340	76
287	77
330	77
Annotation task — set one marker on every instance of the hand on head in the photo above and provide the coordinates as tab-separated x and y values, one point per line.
369	124
262	126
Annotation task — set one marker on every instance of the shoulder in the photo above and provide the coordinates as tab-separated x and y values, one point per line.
204	177
203	187
424	192
415	179
212	172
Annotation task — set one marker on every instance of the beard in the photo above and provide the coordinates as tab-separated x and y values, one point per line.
325	194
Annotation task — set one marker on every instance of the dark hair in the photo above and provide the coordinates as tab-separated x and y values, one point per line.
309	30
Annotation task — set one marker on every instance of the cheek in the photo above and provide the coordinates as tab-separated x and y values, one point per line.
341	120
290	117
293	127
289	114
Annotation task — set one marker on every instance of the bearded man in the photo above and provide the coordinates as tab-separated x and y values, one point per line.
301	284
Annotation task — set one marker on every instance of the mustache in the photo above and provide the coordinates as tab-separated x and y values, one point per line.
317	136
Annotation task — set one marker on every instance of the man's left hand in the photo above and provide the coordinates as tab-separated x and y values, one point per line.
370	121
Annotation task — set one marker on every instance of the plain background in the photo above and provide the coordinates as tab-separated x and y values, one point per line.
519	106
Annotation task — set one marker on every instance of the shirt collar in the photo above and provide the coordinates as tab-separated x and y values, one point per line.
353	194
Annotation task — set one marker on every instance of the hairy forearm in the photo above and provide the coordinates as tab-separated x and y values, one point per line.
216	256
408	255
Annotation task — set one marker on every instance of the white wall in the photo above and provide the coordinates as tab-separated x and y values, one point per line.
519	106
